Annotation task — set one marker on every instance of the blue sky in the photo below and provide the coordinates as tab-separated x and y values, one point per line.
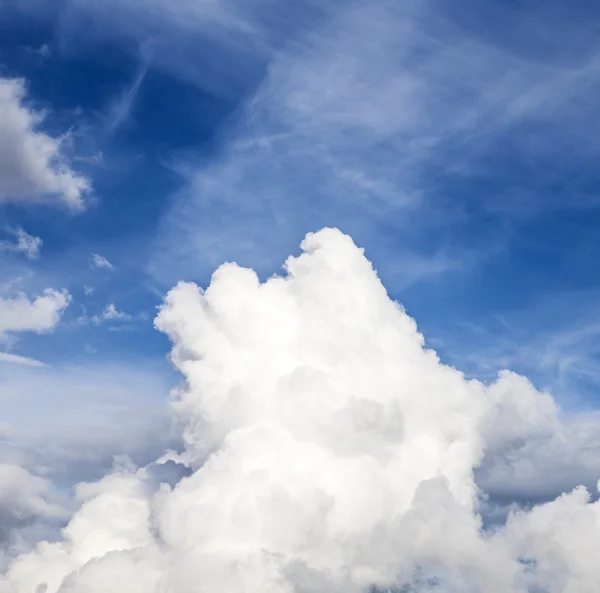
457	144
146	142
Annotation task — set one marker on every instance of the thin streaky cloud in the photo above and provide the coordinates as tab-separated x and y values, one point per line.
120	110
7	357
360	134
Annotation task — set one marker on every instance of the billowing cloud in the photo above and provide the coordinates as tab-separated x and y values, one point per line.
33	166
329	451
20	313
68	423
24	498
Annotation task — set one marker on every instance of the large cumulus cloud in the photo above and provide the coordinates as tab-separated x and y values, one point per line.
328	450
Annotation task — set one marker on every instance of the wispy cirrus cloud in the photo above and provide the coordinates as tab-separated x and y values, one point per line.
374	135
119	111
181	37
7	357
22	242
99	262
554	339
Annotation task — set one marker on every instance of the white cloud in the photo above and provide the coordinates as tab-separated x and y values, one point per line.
120	109
24	498
44	51
67	424
111	313
24	243
329	451
33	166
42	314
22	360
100	262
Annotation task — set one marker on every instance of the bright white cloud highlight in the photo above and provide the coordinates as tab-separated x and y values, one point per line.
33	166
20	313
99	262
22	242
329	451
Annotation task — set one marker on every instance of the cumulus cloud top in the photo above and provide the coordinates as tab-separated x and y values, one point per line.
328	450
33	166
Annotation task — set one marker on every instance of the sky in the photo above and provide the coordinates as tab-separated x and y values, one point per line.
256	253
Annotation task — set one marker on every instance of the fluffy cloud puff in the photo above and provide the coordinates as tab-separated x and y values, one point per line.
41	314
32	164
329	450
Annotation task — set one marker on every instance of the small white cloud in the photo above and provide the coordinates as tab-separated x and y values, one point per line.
111	313
44	51
87	290
23	242
20	314
99	262
33	167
